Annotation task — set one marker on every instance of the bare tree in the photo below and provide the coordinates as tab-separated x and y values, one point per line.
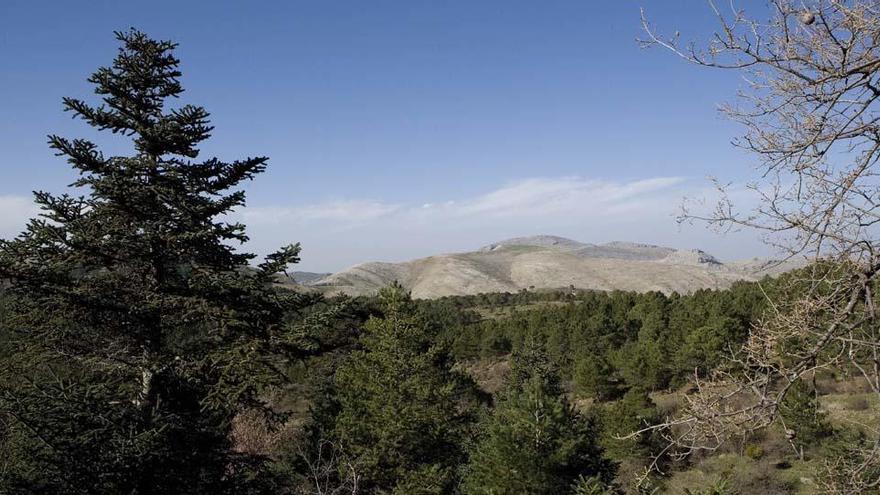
810	109
329	471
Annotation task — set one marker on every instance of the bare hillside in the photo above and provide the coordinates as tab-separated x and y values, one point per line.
548	262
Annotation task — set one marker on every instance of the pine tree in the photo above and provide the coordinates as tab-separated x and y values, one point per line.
806	425
403	411
595	376
633	412
533	441
139	331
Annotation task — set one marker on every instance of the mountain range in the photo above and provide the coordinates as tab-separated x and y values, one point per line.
549	262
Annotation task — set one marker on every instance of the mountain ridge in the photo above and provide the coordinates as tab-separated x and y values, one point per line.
551	262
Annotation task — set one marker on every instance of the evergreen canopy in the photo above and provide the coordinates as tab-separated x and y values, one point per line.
404	411
134	331
534	441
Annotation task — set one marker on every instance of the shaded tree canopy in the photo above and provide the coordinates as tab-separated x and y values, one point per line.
133	329
404	412
534	441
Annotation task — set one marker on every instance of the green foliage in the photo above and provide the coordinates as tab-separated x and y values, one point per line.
430	479
139	332
595	376
533	441
720	487
802	417
754	452
403	411
591	485
703	348
607	342
855	468
633	412
644	361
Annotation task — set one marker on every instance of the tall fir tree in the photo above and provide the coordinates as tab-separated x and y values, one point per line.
404	412
136	329
534	441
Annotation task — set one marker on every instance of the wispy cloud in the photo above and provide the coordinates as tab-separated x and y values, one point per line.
544	196
14	214
340	233
533	197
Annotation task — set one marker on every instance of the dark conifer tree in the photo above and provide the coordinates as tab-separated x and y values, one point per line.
138	330
534	441
404	412
633	412
805	423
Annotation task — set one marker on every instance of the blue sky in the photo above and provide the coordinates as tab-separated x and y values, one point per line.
399	129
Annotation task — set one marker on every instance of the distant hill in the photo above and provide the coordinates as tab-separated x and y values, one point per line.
550	262
305	278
